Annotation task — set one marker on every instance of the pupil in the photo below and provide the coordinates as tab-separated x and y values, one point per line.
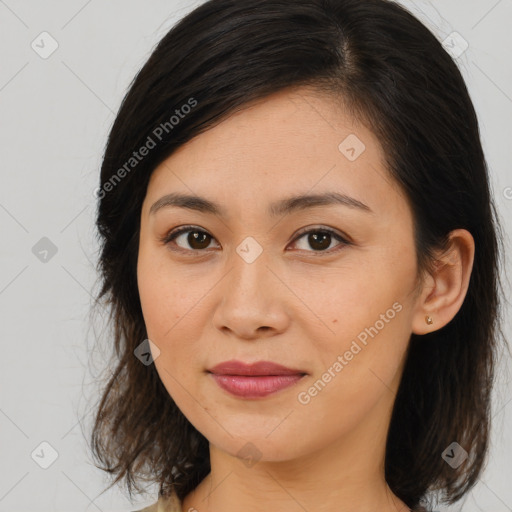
313	240
194	238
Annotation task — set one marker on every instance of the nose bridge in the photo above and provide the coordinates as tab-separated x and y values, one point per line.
250	263
250	298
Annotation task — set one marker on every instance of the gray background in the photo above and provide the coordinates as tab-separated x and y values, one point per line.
55	115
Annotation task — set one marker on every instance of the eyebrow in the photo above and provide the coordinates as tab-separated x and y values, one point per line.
281	207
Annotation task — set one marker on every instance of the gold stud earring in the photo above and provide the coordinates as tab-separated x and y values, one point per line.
429	320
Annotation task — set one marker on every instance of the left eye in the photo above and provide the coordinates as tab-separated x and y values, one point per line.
319	239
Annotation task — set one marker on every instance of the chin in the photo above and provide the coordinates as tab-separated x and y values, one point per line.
253	446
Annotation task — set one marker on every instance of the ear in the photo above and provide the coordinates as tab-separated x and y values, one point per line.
444	290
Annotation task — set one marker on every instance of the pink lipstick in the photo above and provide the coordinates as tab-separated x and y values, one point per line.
254	380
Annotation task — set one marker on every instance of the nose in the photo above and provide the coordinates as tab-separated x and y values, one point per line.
252	298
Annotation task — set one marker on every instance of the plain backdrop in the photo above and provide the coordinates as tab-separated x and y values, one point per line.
55	113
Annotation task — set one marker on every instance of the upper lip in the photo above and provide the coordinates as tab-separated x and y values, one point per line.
234	367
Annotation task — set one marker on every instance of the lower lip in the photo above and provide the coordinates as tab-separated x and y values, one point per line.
255	387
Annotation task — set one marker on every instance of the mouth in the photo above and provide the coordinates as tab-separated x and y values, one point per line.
256	380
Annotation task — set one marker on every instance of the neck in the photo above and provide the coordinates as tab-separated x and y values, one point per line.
344	476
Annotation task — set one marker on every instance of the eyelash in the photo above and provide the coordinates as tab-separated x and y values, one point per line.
172	235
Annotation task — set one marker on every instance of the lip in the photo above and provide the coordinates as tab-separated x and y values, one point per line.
255	380
259	368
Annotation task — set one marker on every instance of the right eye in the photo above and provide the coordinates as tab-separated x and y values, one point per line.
197	239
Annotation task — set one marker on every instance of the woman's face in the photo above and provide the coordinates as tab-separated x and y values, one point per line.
255	281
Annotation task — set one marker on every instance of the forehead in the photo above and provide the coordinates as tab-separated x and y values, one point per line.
291	142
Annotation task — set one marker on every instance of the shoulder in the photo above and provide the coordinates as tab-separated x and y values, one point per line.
171	504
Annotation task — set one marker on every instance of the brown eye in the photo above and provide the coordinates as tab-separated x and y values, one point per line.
320	239
196	239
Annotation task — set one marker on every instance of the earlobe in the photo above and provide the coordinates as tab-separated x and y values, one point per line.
444	292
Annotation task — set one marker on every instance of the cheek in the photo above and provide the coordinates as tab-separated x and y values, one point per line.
169	320
174	319
365	330
332	308
358	371
166	296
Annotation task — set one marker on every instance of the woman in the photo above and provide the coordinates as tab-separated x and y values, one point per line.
300	254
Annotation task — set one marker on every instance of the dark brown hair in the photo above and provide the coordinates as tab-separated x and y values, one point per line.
393	75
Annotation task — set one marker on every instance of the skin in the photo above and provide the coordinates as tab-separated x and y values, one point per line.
296	304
